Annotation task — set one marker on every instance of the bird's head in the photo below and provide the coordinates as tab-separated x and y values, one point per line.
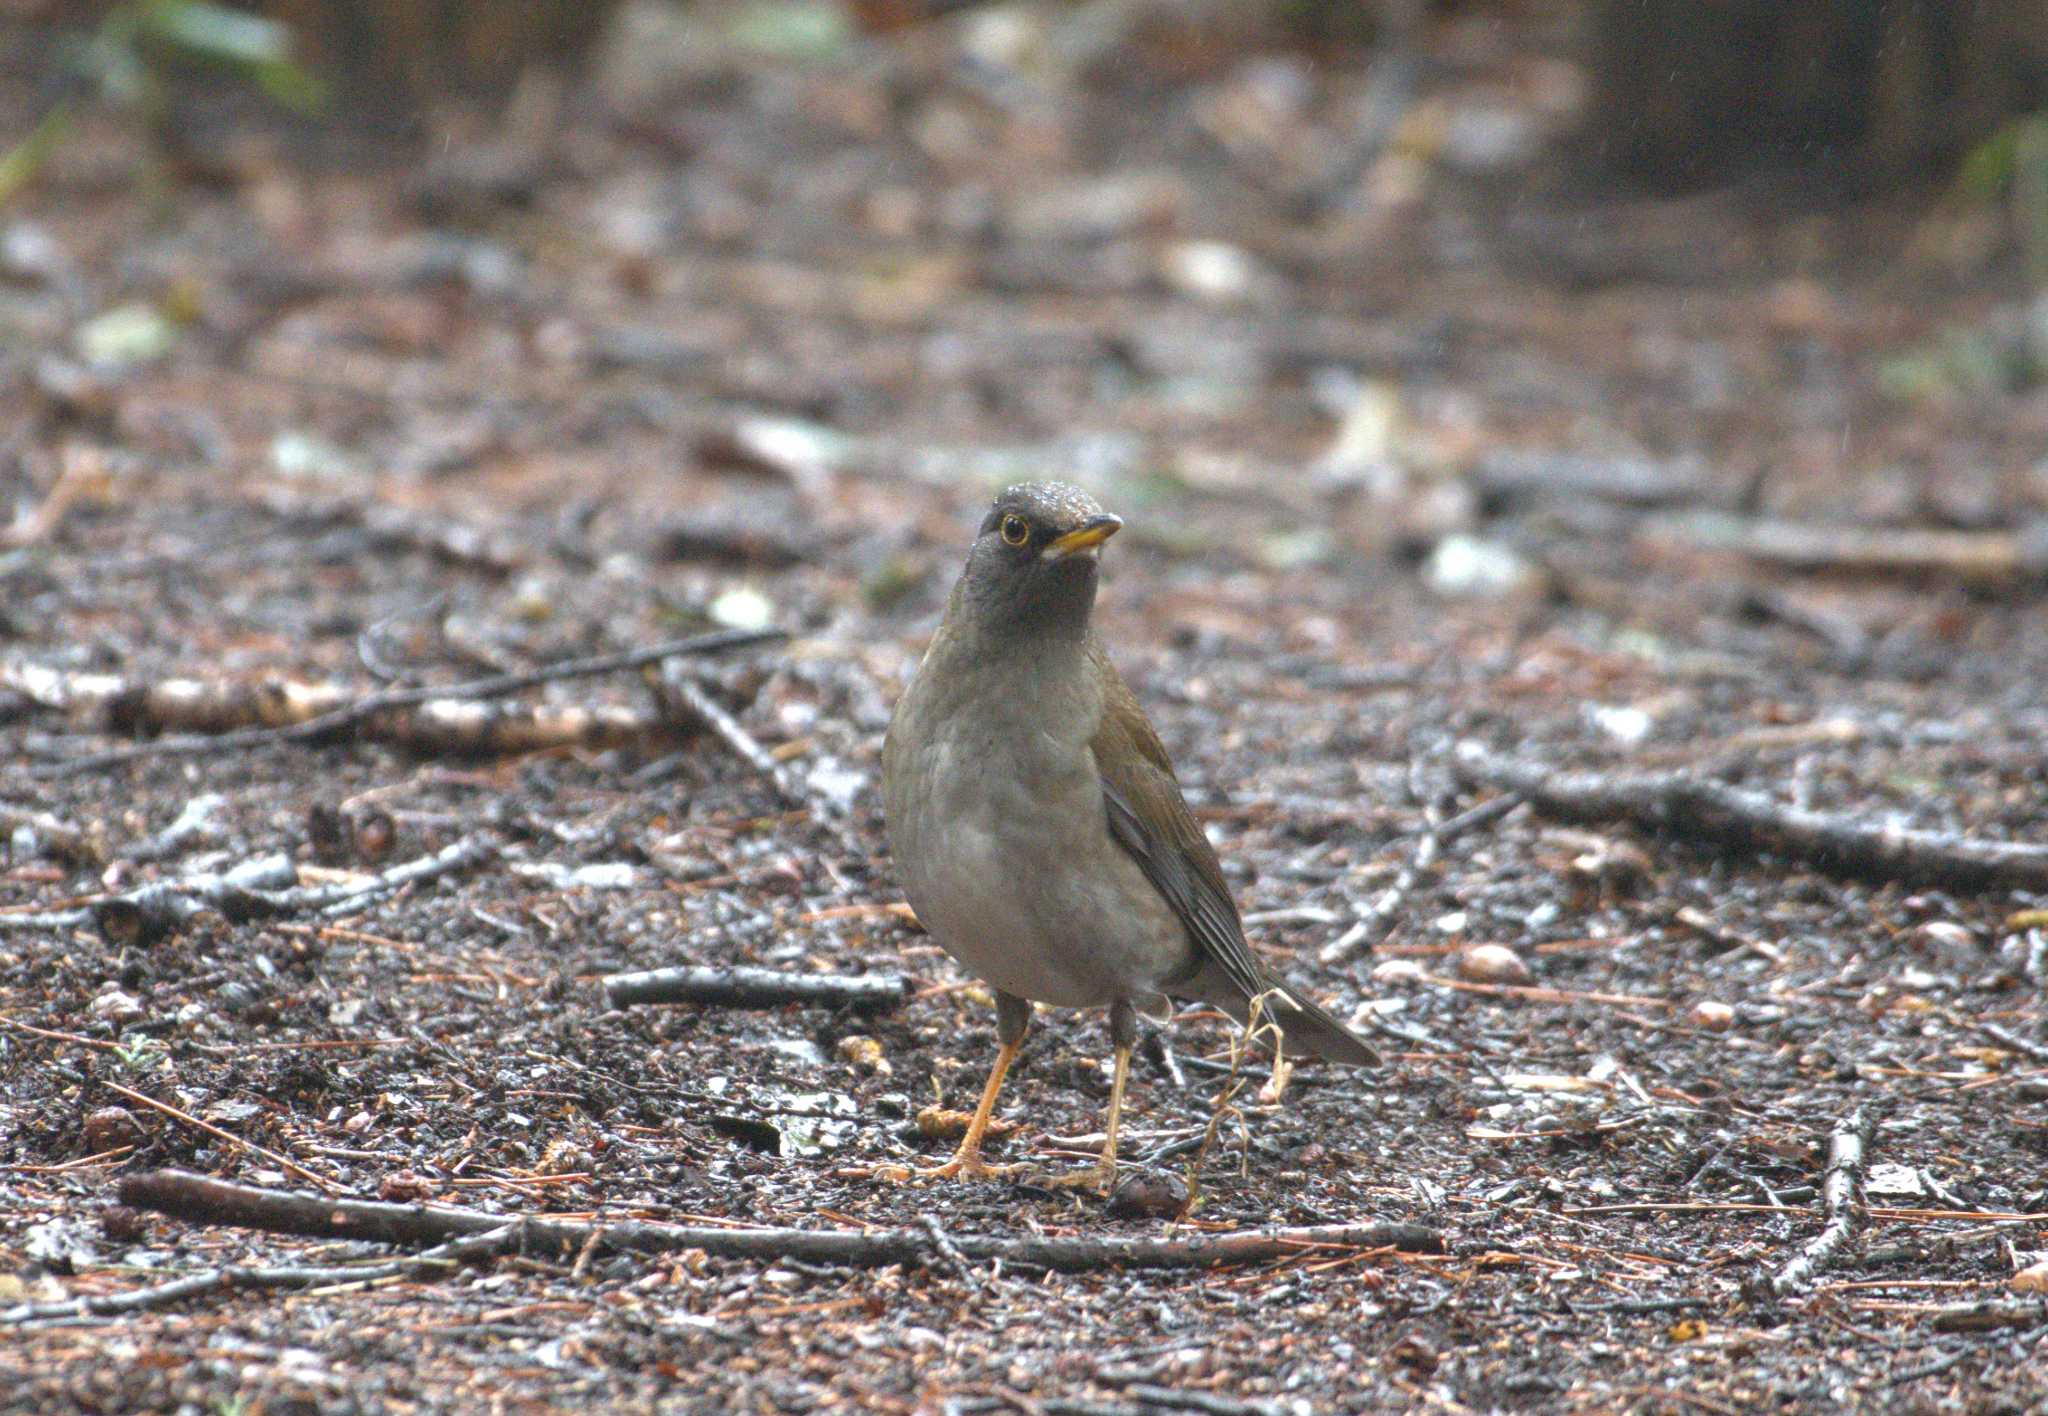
1034	560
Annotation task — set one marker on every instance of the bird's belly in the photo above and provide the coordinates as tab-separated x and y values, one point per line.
1028	890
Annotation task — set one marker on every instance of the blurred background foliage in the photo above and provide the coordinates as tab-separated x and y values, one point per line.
1848	97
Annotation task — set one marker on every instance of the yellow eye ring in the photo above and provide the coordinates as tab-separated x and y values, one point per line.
1015	531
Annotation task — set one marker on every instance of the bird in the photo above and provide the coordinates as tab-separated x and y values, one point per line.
1038	829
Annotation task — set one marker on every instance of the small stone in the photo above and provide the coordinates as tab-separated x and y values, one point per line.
1487	137
118	1008
111	1127
1713	1016
2031	1279
121	1225
1800	307
1214	271
743	607
1148	1194
1100	208
1398	972
404	1187
1628	726
126	335
1469	567
1617	864
1948	943
1493	963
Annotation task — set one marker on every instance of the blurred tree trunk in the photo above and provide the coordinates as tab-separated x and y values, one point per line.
423	51
1690	91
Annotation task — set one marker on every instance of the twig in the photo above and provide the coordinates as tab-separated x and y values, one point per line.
1378	917
256	889
488	1244
2027	1047
369	705
1936	1367
1732	816
1984	557
1846	1159
682	699
202	1200
756	988
1208	1403
948	1250
1638	1306
1993	1313
187	1118
1537	993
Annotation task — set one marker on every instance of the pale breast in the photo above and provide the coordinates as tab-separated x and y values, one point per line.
1002	842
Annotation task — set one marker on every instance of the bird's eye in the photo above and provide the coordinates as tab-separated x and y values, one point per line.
1015	531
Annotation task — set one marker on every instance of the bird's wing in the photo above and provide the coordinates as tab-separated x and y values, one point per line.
1149	818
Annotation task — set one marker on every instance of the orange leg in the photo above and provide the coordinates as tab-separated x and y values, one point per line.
1013	1018
1101	1176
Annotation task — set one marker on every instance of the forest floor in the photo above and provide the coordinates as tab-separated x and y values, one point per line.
1422	457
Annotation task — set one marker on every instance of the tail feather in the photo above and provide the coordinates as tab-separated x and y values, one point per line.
1308	1030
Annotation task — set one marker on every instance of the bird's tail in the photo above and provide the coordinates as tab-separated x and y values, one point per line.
1308	1030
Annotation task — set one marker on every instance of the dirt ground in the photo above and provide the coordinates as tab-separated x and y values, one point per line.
1417	448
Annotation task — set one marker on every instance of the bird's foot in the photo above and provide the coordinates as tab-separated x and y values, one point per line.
1099	1177
967	1165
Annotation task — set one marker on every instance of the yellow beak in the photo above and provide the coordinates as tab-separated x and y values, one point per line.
1086	538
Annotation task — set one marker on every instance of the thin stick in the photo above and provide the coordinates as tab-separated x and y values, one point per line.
1536	993
678	691
234	1276
2026	1047
218	1134
370	704
1688	806
1993	1313
150	911
1847	1152
756	988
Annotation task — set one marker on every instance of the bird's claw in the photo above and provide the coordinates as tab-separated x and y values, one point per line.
1100	1178
965	1166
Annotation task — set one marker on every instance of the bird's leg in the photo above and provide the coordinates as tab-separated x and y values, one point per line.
1013	1019
1123	1034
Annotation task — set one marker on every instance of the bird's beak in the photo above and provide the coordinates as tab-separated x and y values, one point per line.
1097	530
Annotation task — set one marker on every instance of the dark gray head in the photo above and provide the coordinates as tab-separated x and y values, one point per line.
1034	560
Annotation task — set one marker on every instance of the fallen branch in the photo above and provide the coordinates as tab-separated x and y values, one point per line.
756	988
208	717
1516	476
201	1200
433	1262
1981	557
1714	811
1152	1397
1992	1313
264	888
1846	1160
